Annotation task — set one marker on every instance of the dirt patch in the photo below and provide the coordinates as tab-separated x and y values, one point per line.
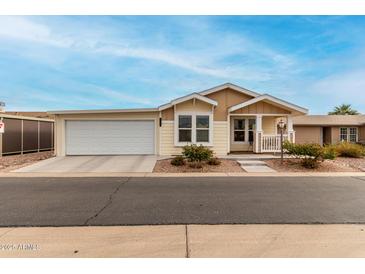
11	162
293	165
358	163
164	166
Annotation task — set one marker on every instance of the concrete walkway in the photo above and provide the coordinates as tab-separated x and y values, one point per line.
118	163
185	241
255	166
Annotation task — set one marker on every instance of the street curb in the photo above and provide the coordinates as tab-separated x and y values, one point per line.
149	174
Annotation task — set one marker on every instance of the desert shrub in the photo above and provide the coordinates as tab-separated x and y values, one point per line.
196	153
346	149
329	152
310	154
178	161
214	161
310	163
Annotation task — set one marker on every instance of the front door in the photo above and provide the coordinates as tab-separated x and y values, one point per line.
242	133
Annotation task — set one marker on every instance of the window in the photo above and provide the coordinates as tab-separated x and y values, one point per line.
239	130
185	123
202	128
243	130
251	128
353	134
193	128
348	134
343	134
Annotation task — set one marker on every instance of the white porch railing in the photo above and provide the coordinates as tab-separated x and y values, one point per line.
272	143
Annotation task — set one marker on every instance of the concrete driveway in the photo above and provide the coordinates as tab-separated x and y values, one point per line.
118	163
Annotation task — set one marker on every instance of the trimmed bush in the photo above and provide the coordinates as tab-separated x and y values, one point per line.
345	149
196	153
178	161
214	161
310	154
329	152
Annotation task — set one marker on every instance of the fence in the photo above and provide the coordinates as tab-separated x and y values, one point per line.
26	134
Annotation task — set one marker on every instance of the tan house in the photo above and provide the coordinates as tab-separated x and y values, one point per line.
227	118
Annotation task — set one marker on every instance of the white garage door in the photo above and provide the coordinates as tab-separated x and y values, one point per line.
110	137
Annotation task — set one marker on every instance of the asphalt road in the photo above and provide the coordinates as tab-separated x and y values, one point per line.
215	200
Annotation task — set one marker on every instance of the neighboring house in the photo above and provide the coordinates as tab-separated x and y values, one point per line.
227	118
329	129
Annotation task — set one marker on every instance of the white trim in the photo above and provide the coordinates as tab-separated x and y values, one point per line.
188	97
269	98
193	115
231	86
348	134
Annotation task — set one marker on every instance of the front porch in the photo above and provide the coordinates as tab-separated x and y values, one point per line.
259	133
254	124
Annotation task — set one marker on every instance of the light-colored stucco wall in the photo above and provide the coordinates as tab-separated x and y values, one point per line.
308	134
362	133
60	119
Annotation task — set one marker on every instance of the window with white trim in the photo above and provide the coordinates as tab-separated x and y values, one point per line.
185	128
202	128
243	130
349	134
195	128
239	127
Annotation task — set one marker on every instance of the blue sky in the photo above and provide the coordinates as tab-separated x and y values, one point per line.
97	62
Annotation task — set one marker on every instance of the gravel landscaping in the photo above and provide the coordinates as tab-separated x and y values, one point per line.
339	165
11	162
165	166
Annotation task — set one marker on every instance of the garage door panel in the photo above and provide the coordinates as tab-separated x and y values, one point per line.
109	137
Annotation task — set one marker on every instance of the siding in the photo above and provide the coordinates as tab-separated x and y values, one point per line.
307	134
220	138
167	139
268	125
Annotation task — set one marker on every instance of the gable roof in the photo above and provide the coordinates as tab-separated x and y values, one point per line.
271	99
329	120
231	86
187	98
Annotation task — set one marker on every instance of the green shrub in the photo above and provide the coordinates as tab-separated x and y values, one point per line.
310	154
178	161
214	161
329	152
346	149
303	150
196	153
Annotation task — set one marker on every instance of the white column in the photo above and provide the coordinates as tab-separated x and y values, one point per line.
258	134
291	132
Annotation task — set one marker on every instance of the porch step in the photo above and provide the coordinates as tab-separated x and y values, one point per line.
255	166
251	163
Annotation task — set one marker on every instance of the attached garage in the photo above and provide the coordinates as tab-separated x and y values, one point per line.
109	137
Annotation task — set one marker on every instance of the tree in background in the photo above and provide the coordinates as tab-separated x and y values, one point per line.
344	109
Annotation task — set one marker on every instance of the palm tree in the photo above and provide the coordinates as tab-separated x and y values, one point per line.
344	109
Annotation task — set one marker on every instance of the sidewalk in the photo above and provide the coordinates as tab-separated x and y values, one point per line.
185	241
194	174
